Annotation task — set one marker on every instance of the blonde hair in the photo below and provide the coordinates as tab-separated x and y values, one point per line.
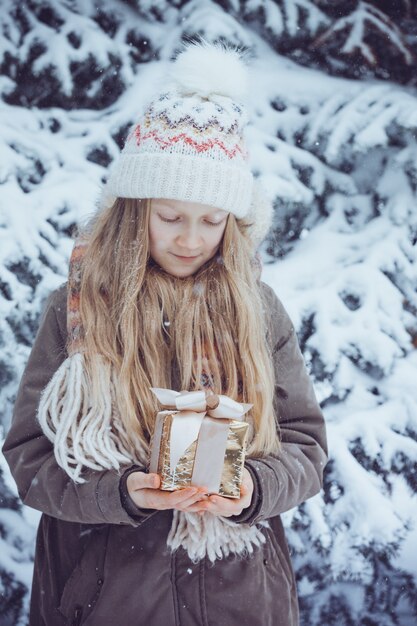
146	322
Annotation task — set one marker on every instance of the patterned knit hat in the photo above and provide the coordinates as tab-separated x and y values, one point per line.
189	144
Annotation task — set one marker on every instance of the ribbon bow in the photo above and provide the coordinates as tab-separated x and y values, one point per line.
221	407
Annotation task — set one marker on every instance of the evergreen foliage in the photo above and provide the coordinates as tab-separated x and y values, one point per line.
333	139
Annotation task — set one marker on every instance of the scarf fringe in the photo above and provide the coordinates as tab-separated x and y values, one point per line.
83	436
213	536
93	437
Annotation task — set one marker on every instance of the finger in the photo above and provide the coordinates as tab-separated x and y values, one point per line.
217	504
200	506
193	503
244	490
192	497
224	506
247	480
140	480
182	496
162	500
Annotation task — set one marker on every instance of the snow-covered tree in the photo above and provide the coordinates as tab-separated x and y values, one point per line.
345	37
351	282
336	152
368	38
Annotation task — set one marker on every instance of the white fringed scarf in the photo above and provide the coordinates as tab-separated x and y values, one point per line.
86	436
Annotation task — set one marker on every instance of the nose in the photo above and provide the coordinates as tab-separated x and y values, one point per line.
189	237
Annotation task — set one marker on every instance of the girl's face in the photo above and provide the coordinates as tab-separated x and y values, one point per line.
184	235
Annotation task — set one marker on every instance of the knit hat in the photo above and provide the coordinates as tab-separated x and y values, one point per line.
189	144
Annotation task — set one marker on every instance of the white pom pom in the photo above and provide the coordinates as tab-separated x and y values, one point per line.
207	69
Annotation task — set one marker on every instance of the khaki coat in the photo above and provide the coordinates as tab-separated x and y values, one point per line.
101	561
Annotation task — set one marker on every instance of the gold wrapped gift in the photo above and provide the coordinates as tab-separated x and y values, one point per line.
199	440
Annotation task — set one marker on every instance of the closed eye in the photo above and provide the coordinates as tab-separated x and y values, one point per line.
170	221
213	223
173	221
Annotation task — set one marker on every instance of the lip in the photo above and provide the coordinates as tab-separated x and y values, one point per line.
187	259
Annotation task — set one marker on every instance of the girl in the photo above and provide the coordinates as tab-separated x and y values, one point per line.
164	290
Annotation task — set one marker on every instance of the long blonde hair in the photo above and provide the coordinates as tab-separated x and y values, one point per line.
146	322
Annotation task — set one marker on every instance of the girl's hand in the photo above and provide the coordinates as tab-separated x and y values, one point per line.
226	507
144	491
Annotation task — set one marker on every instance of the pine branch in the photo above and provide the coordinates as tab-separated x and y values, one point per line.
292	18
356	27
361	123
77	52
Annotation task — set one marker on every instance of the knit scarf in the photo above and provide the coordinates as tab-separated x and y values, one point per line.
86	436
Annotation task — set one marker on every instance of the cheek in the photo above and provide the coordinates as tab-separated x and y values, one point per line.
157	236
216	237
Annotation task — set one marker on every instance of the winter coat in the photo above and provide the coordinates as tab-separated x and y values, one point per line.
101	561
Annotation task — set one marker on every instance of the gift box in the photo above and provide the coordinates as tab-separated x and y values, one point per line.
200	440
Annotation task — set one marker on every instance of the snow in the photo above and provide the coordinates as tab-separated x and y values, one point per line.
347	275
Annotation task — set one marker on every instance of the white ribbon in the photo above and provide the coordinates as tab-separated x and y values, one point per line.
197	401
